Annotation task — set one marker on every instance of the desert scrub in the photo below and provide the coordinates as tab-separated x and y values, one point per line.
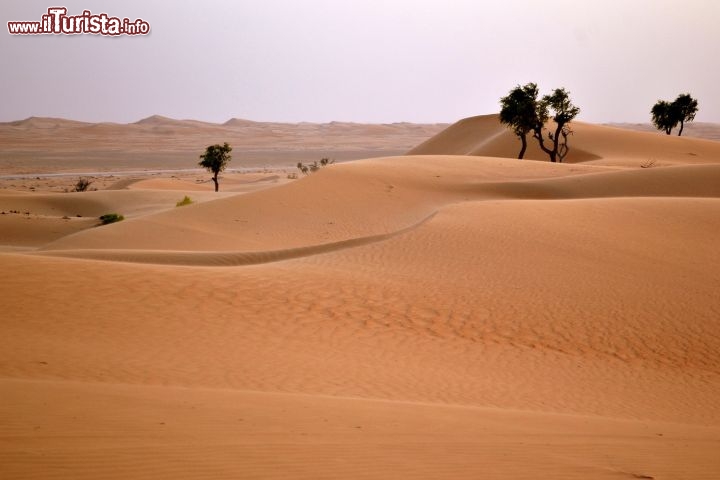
110	218
82	185
185	201
315	166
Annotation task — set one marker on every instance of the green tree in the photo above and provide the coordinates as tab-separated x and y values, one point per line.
666	115
215	159
663	116
563	112
519	112
685	108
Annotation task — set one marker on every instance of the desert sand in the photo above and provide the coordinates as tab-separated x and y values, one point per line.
451	313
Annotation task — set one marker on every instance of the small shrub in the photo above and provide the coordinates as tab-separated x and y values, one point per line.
82	185
315	166
292	176
185	201
111	218
648	164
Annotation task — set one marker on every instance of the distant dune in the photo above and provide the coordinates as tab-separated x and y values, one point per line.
453	313
42	145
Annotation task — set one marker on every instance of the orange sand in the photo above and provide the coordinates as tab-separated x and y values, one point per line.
424	316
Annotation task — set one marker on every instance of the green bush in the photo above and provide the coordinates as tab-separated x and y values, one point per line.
111	218
185	201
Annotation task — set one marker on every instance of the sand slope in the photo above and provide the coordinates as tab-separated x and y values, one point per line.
425	316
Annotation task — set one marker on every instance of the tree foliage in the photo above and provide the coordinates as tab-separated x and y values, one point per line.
686	108
215	159
667	115
663	116
563	112
519	112
524	113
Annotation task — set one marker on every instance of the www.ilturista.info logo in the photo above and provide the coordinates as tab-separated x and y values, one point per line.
58	22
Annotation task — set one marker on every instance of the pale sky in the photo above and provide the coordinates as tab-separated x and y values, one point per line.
361	60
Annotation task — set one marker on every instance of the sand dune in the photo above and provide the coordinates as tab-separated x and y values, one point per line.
33	220
421	316
336	204
485	136
406	189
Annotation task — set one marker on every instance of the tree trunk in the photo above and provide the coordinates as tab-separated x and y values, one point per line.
537	134
556	142
216	182
564	149
682	124
524	146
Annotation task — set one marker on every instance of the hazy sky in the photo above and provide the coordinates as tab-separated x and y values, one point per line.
361	60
